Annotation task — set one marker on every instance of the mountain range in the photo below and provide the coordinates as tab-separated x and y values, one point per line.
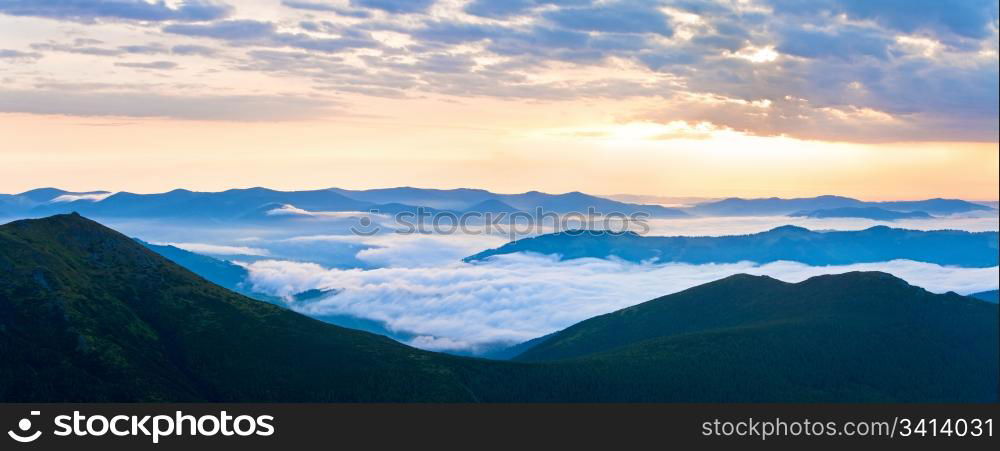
790	243
11	204
257	203
780	207
87	314
874	213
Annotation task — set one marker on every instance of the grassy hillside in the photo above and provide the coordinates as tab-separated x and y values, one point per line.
863	334
87	314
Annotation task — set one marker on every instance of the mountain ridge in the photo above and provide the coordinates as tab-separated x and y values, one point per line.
832	326
775	206
791	243
240	203
131	325
874	213
230	204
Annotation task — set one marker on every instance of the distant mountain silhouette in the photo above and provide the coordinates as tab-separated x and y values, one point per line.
876	244
253	204
15	204
492	206
220	272
87	314
510	352
471	199
933	206
43	195
988	296
735	206
878	214
245	204
442	199
179	204
840	335
779	207
9	204
577	202
239	203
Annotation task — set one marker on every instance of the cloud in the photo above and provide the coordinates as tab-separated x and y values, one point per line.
395	6
253	32
451	74
94	47
231	30
217	249
189	49
966	18
93	197
518	297
410	250
617	17
78	46
136	10
242	108
845	100
317	6
144	49
413	251
495	9
825	78
157	65
293	211
17	55
846	43
850	70
416	285
288	210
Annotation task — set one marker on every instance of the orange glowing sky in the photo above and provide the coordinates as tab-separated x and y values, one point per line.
617	97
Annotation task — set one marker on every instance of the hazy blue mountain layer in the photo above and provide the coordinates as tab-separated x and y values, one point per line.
258	204
220	272
777	206
875	213
791	243
988	296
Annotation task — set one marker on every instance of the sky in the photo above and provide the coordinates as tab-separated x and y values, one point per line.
895	99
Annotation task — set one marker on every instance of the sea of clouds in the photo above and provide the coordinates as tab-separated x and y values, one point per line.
417	285
517	297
